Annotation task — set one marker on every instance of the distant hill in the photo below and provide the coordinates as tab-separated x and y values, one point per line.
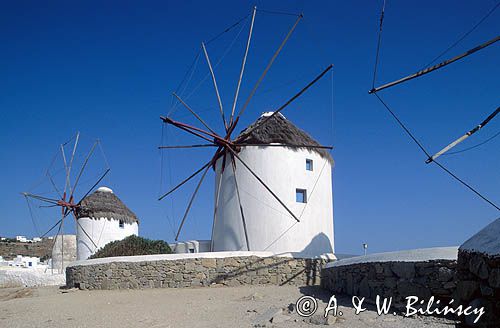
41	249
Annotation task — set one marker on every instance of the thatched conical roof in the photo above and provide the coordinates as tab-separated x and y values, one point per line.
280	130
103	203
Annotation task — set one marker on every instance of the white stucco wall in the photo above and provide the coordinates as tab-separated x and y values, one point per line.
102	231
270	227
63	252
22	277
411	255
191	246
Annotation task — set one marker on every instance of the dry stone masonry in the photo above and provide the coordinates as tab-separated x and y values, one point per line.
478	274
393	279
193	272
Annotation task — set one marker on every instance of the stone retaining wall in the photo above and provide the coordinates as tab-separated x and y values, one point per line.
479	285
393	279
193	272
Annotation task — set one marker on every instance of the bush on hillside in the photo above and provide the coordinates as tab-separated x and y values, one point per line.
133	245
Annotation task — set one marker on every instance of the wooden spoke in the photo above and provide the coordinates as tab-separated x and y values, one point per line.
38	197
186	180
83	168
243	66
264	73
71	160
215	86
185	128
191	202
233	165
193	112
247	133
465	136
95	184
216	206
66	182
51	228
187	146
436	67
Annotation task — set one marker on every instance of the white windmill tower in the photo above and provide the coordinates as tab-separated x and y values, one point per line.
102	218
273	181
300	177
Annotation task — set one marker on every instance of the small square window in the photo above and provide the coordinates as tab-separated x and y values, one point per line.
301	195
121	224
191	250
309	164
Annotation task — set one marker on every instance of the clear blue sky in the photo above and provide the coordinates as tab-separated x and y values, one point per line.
108	68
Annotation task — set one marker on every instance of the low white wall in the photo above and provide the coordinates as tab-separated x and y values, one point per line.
19	277
412	255
173	257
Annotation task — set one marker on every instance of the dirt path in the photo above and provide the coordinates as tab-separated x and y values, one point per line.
201	307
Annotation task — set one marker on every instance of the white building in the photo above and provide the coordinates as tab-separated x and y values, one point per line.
63	252
26	261
300	177
102	218
191	246
21	239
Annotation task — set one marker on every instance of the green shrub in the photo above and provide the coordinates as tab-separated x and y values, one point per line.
133	245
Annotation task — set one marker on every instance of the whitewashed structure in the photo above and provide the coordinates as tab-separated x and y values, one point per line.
63	252
190	246
300	177
102	218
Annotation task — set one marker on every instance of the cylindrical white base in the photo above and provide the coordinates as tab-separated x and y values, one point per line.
269	226
101	231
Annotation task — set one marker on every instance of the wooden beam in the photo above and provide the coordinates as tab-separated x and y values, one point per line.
186	180
193	112
233	165
436	67
191	202
264	73
215	86
264	121
243	66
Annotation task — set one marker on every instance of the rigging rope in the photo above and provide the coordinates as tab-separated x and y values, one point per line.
32	216
378	45
403	126
463	36
437	163
278	12
472	147
227	29
228	49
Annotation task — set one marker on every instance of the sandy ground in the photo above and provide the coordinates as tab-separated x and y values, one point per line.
196	307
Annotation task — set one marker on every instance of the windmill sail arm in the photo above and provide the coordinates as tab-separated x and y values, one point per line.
437	66
462	138
191	202
186	180
304	89
187	146
243	221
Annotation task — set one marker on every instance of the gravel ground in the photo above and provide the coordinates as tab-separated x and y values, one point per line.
249	306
